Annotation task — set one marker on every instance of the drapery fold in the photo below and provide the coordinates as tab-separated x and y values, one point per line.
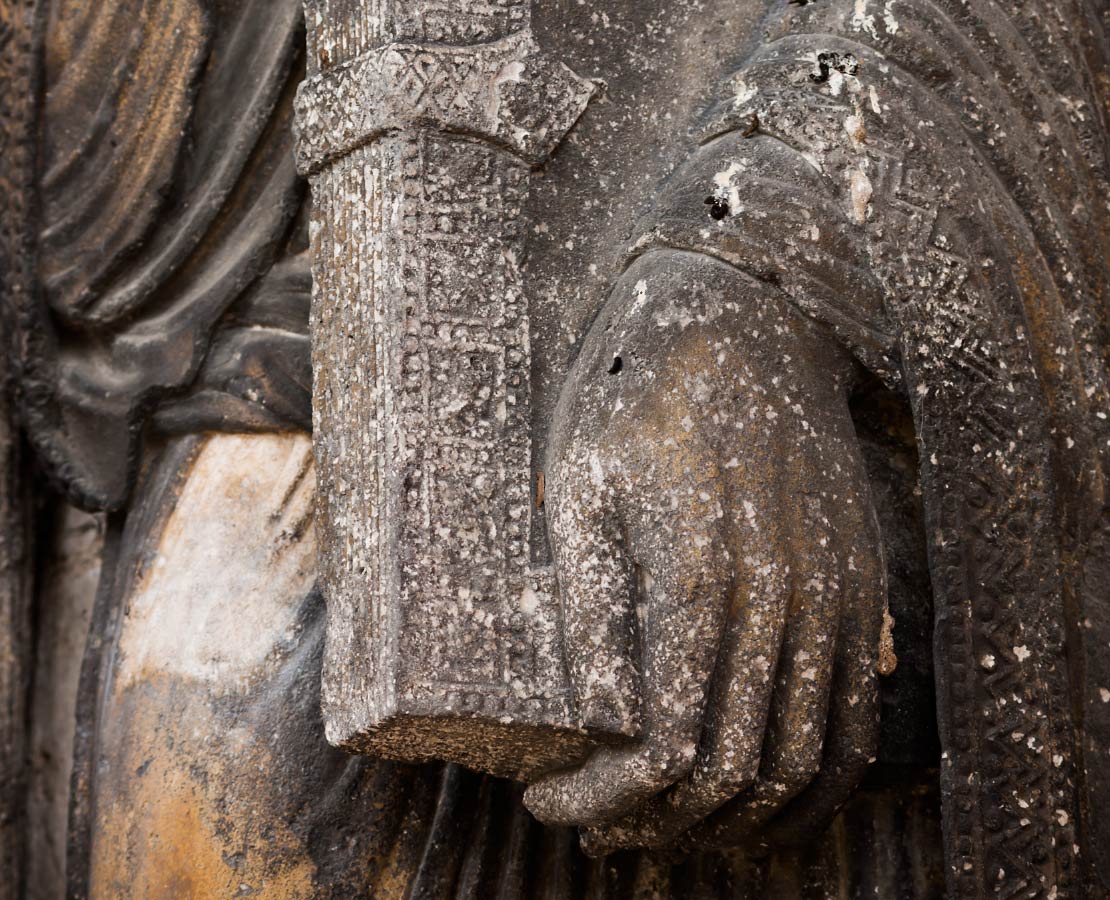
167	190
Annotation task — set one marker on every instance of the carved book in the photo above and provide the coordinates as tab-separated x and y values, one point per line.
418	126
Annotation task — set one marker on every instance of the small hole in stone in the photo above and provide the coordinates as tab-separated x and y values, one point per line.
616	366
845	64
718	208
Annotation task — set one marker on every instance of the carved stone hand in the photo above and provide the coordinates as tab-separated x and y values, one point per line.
721	573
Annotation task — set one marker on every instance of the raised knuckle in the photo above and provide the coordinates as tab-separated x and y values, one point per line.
799	769
727	778
671	761
855	761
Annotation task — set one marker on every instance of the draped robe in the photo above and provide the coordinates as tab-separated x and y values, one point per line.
173	299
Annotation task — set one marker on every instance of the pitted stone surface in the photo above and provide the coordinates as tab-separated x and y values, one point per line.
882	191
505	92
833	275
443	641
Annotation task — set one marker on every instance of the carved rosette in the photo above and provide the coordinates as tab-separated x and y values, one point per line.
417	125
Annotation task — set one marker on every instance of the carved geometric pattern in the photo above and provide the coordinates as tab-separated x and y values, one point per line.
1008	771
339	30
422	401
439	20
17	112
504	91
423	441
465	423
17	272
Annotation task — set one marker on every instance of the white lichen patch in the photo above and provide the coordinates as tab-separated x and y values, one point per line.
860	191
873	97
744	93
854	128
862	20
889	20
726	186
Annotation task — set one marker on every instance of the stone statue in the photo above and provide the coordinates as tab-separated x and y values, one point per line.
708	408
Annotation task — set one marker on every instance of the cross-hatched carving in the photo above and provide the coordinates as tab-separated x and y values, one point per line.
442	641
504	91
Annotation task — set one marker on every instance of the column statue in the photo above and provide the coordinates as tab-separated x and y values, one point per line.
469	448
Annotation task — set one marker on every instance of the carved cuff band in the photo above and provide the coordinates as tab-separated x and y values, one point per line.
506	91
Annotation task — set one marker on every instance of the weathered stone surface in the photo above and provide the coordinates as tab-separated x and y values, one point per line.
753	683
919	238
63	614
443	638
19	80
213	776
916	235
214	612
505	92
15	650
779	233
167	191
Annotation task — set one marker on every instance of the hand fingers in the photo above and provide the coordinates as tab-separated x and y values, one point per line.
853	729
736	716
685	581
799	708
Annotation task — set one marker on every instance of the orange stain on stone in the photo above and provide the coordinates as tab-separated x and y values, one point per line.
174	822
